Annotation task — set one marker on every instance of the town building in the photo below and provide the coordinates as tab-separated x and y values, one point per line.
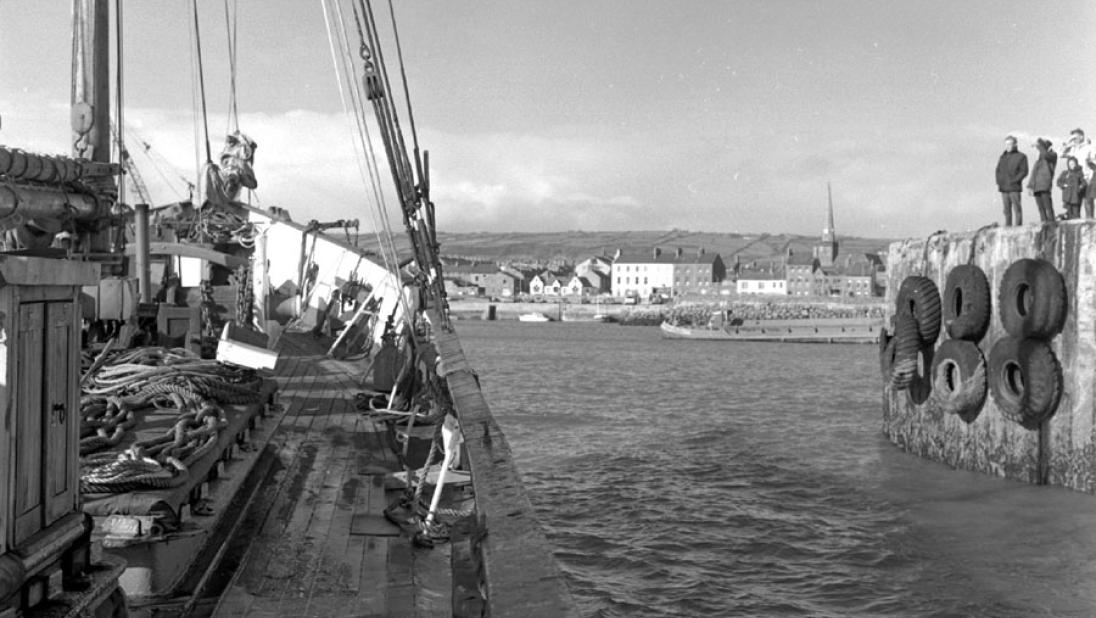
755	279
639	273
482	279
502	284
597	270
697	272
580	287
546	283
826	273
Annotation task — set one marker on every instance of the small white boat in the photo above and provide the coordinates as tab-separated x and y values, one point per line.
536	316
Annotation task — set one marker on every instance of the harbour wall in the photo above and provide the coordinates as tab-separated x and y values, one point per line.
1060	450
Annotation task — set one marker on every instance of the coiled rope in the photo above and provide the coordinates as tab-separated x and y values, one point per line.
161	379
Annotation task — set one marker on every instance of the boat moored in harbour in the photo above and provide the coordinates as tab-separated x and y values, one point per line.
832	330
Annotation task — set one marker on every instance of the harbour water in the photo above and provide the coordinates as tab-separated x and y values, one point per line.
751	479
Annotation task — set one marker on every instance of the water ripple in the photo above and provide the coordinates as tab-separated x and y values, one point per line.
752	480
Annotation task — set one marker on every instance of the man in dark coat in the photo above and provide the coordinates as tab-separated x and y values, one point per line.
1042	179
1012	168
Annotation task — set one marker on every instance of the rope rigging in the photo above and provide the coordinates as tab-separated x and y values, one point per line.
418	210
230	28
201	82
418	394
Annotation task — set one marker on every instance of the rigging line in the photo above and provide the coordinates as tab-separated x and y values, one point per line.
119	95
370	156
201	81
407	95
194	110
149	151
339	63
230	31
168	182
346	59
382	70
359	97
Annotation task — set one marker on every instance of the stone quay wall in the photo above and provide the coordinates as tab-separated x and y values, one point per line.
1060	450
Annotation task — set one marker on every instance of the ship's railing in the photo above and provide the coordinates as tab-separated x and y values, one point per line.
521	575
286	250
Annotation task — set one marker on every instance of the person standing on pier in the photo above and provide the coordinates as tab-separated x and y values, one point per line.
1012	168
1042	179
1072	183
1079	147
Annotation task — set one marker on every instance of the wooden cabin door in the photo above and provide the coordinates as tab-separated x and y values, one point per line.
45	426
63	422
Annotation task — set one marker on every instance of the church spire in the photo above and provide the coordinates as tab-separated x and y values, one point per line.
829	234
826	251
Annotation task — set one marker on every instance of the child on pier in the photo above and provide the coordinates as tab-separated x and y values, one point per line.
1072	183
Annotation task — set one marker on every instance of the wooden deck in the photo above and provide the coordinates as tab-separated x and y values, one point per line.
321	544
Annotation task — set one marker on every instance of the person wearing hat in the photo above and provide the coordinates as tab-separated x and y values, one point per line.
1042	179
1080	148
1012	168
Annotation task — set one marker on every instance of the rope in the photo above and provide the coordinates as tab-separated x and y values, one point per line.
366	164
201	81
974	240
925	251
406	93
161	379
230	30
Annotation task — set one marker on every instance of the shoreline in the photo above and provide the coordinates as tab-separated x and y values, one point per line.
633	315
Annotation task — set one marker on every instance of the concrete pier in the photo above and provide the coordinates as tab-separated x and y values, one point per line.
1062	449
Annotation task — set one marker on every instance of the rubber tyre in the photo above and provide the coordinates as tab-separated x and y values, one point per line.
920	388
921	297
1025	379
907	345
1032	299
966	303
959	379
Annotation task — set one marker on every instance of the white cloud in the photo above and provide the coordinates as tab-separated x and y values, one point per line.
305	162
926	179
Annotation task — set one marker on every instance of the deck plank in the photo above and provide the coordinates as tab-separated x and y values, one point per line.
329	590
237	599
307	559
294	380
290	574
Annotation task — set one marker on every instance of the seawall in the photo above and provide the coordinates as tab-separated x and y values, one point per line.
1060	450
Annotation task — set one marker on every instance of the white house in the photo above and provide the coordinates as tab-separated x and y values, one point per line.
642	272
769	280
546	284
580	286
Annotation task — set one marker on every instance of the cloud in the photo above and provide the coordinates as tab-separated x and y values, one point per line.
911	183
306	162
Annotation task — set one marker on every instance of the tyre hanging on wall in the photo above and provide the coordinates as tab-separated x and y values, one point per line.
959	379
907	344
1025	379
921	298
966	303
920	388
1032	299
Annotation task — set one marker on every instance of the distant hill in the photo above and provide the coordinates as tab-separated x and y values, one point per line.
576	246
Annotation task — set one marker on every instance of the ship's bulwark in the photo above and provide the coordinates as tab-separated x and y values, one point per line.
1062	451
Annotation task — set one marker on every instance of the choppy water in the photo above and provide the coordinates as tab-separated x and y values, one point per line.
741	479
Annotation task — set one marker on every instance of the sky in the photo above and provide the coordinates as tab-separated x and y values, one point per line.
563	115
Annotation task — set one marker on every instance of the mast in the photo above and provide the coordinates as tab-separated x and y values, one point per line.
91	135
91	80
